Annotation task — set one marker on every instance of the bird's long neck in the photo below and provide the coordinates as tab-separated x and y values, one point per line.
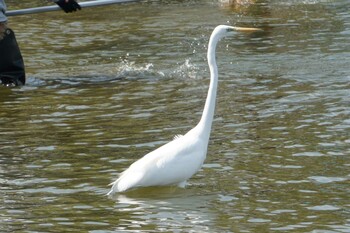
204	126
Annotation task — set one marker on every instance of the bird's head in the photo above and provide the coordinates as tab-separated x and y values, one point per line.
224	30
220	32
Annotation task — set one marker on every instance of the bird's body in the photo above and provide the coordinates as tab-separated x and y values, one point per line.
178	160
162	166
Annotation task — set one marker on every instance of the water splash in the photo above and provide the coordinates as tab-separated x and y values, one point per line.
186	70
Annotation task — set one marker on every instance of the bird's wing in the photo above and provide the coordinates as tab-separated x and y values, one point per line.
171	163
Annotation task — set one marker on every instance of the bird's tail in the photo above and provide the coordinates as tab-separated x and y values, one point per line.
114	188
127	180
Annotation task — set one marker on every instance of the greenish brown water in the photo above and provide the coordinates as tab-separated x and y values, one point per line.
107	85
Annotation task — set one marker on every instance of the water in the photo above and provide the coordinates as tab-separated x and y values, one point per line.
107	85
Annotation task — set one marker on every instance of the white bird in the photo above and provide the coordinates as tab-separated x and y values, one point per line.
178	160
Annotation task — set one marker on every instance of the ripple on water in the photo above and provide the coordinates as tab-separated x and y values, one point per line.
46	148
326	179
309	154
323	208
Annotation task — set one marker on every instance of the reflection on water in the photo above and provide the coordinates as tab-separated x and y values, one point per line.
108	85
166	208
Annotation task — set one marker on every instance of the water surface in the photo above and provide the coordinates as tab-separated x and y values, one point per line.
107	85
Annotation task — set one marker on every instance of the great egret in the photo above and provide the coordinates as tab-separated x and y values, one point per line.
178	160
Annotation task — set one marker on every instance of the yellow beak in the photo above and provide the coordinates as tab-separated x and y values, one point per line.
242	29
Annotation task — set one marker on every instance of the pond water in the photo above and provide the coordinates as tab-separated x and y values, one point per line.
107	85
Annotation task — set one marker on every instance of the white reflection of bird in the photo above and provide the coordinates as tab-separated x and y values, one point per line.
178	160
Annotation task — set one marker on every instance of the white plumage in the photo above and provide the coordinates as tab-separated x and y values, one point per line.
175	162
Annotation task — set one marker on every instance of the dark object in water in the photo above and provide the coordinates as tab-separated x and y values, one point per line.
12	72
